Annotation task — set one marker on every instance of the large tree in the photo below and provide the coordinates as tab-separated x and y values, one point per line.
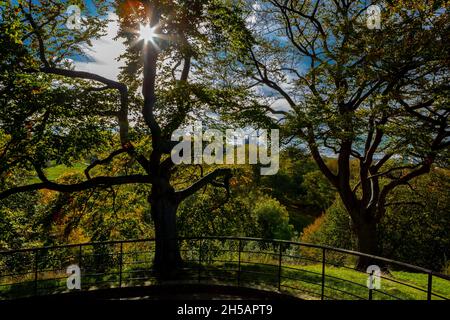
51	112
341	89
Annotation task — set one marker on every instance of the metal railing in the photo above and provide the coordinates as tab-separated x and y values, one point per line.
305	270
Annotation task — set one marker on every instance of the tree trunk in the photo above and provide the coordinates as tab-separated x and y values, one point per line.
167	261
366	232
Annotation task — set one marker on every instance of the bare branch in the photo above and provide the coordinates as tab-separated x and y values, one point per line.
104	161
208	179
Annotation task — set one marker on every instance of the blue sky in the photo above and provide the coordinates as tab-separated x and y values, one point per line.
103	53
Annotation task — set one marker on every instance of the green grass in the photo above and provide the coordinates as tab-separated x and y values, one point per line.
340	283
353	283
54	172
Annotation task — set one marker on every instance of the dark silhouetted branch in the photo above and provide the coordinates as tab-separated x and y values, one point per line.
77	187
208	179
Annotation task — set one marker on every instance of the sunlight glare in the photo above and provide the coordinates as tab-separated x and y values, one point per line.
146	33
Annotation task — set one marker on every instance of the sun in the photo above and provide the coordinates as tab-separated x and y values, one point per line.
147	33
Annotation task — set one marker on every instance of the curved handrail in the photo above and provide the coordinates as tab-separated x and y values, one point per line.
278	243
304	244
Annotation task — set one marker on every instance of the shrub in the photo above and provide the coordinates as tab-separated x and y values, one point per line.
273	219
333	228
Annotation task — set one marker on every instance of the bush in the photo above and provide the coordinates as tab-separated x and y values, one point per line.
273	219
333	228
415	228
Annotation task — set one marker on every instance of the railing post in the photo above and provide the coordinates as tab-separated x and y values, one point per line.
430	286
120	264
36	266
80	255
279	266
323	274
239	262
152	245
371	285
80	260
199	260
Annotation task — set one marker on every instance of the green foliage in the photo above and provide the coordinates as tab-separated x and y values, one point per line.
364	95
353	85
207	214
273	219
300	187
320	193
333	228
247	212
98	215
48	218
19	224
414	229
416	225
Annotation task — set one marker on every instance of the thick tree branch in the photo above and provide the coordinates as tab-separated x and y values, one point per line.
208	179
77	187
148	87
86	75
122	115
104	161
320	162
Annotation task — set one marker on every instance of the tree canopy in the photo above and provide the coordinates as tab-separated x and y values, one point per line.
379	96
374	99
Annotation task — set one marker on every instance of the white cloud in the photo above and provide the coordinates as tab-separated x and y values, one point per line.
104	53
281	105
252	18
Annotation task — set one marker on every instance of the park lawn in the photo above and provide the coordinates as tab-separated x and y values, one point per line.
345	283
340	279
440	286
55	172
340	283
